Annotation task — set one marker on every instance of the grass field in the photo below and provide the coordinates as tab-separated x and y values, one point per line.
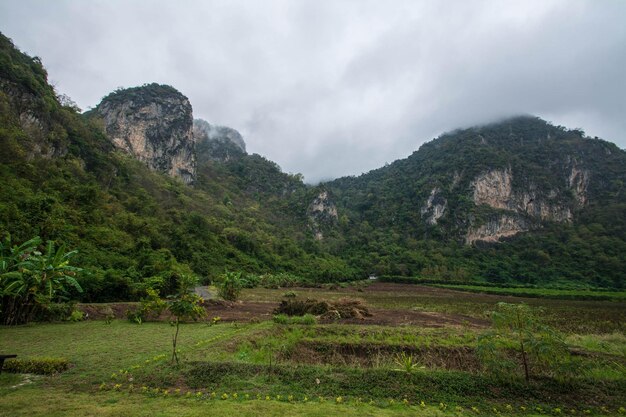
563	294
267	368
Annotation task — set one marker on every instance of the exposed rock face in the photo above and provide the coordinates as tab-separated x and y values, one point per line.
154	124
435	207
578	181
217	143
495	189
321	212
30	114
496	228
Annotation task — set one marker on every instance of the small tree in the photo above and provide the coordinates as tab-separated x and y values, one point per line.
518	328
230	285
184	305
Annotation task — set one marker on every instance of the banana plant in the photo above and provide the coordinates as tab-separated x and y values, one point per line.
29	279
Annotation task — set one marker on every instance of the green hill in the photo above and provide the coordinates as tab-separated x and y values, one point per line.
551	197
62	180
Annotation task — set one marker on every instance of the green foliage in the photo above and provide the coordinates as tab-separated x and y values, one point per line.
307	319
184	305
39	366
150	308
518	328
31	280
230	285
406	362
76	315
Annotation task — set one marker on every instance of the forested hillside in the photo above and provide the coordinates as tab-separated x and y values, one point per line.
553	195
62	180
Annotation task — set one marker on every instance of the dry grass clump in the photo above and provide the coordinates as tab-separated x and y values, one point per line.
340	309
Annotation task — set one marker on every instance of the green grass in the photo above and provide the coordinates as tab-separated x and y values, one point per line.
35	401
96	349
562	294
307	319
235	357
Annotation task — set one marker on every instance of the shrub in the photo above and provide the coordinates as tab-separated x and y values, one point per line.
76	315
56	312
40	366
109	314
135	315
230	286
290	294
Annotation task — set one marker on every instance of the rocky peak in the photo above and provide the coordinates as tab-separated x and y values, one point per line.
217	143
321	212
154	124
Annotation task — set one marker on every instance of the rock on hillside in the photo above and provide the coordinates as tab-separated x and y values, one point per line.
217	143
154	124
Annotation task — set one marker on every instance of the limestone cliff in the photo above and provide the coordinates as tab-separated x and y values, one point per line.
321	212
435	207
525	207
154	124
499	226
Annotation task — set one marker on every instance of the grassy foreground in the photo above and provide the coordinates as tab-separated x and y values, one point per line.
274	369
53	401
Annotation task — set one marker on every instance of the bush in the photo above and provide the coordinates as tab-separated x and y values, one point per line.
56	312
39	366
135	315
230	286
76	315
152	306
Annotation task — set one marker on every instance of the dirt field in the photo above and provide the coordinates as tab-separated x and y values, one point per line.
246	311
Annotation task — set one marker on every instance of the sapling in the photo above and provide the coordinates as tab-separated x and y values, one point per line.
184	305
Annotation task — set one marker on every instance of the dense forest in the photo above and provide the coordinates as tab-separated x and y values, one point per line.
63	180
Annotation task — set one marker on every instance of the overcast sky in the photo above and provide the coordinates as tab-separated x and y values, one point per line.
331	88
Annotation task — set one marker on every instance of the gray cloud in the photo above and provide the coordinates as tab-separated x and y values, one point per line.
331	88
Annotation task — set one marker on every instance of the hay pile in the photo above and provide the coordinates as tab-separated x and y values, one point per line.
343	308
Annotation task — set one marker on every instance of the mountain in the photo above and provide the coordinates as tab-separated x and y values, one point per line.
147	193
508	182
153	123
